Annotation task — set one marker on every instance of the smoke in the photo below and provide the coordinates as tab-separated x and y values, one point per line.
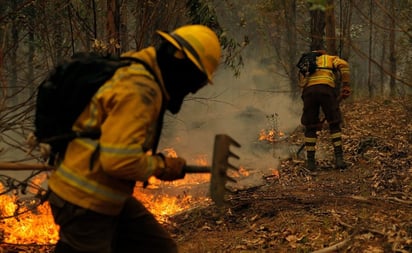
239	107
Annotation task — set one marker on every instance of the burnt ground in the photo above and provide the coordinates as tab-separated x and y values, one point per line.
366	208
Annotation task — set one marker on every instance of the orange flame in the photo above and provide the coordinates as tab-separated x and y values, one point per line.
31	226
270	135
37	225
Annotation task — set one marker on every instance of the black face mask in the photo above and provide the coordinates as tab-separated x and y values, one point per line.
180	76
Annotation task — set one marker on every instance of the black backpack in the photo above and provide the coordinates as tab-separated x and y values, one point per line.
66	92
307	63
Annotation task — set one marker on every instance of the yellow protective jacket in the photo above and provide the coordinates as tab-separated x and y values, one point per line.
326	73
100	174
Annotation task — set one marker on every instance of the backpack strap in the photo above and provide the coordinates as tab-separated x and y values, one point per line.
145	65
163	107
162	110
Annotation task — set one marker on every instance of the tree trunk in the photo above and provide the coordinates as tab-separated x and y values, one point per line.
345	24
112	26
382	74
31	50
370	56
58	35
13	56
3	89
70	20
124	39
392	53
30	64
94	9
330	28
317	29
290	17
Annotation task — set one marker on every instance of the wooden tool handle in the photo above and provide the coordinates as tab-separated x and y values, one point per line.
24	166
197	169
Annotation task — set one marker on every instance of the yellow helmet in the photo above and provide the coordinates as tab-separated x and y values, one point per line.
200	44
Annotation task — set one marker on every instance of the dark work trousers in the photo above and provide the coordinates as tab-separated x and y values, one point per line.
84	231
316	97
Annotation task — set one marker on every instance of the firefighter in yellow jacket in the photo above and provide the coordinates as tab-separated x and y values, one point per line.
91	191
319	92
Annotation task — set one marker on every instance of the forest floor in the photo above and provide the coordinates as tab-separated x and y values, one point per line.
365	208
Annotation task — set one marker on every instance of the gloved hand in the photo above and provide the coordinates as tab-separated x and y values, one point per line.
173	170
345	91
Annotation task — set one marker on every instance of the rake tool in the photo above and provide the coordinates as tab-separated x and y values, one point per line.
218	170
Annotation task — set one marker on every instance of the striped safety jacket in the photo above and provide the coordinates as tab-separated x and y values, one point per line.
326	72
100	174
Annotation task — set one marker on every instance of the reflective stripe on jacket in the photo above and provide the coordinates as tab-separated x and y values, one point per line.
101	174
325	74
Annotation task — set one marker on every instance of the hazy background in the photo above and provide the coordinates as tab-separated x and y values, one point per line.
239	107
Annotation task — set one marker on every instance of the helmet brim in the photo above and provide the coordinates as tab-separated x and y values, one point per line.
191	57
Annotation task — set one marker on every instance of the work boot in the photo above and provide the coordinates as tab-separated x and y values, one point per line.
339	162
310	162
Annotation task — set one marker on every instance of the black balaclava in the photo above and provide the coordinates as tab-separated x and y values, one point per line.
180	76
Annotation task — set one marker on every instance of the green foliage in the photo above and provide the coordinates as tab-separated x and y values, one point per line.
317	5
202	12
